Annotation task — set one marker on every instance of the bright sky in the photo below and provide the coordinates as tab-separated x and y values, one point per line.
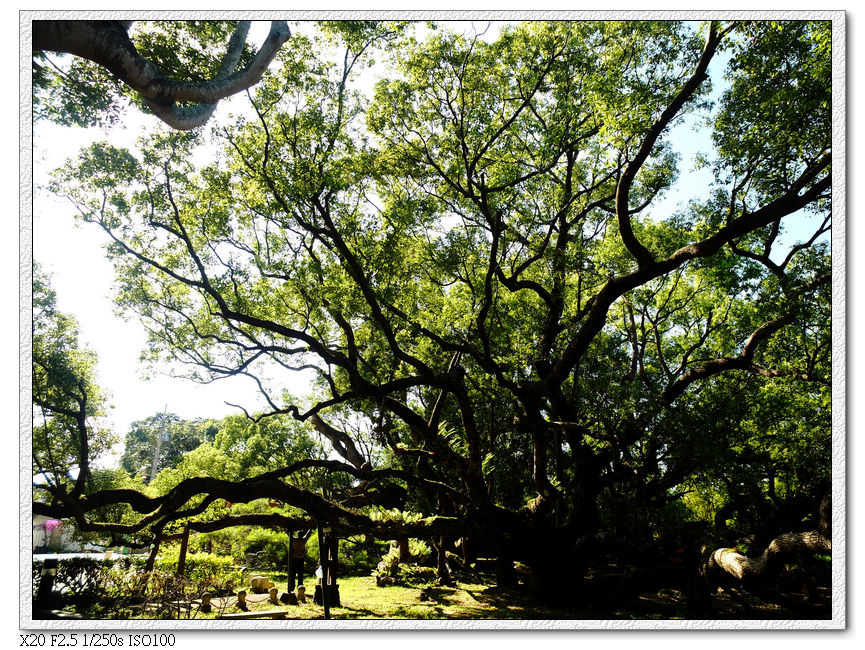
82	277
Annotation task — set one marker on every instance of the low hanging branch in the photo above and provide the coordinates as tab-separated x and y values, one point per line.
787	546
158	512
317	508
107	43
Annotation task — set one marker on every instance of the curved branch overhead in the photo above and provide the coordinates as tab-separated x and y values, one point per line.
623	212
107	43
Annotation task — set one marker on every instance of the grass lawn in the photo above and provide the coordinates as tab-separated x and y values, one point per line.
362	599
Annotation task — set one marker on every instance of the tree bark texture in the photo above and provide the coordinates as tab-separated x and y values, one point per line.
107	43
788	545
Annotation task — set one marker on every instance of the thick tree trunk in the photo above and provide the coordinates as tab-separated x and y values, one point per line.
184	545
505	574
559	555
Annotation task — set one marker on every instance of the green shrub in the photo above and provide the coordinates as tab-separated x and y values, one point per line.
200	567
407	573
417	548
358	555
260	547
227	541
268	548
118	588
80	578
412	574
87	579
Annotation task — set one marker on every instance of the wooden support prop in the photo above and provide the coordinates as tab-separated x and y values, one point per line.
332	543
404	555
444	573
148	567
151	560
322	558
181	560
290	561
327	591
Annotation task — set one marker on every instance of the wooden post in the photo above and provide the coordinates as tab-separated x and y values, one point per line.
404	555
444	573
467	554
290	561
333	568
322	558
148	567
46	584
181	560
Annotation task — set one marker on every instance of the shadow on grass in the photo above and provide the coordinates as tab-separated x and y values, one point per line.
358	612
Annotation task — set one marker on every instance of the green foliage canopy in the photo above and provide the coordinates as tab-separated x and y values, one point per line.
468	261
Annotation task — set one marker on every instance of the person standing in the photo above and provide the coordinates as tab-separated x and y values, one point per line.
298	555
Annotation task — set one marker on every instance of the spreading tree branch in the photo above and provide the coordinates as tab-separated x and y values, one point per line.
107	43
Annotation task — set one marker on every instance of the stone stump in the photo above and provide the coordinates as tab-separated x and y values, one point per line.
241	601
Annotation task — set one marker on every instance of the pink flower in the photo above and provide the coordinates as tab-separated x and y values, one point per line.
51	524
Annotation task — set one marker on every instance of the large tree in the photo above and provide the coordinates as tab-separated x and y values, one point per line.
502	324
